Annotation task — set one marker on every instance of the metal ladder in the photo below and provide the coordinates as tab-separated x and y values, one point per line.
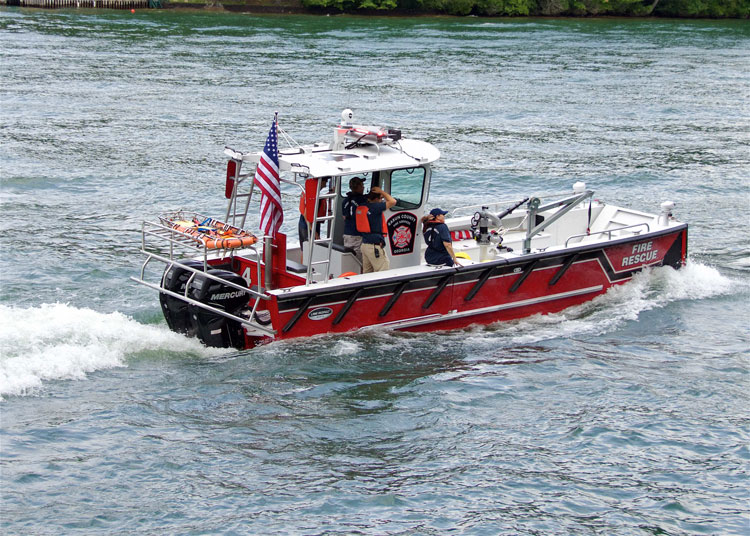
312	241
232	213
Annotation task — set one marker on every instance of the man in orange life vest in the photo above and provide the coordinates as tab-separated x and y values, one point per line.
371	224
354	198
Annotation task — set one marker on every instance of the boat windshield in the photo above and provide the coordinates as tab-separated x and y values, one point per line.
407	186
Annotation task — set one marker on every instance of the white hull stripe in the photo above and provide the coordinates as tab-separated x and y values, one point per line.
429	319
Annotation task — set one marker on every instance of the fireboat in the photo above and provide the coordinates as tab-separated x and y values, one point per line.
231	287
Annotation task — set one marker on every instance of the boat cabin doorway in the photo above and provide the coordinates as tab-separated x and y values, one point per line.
410	187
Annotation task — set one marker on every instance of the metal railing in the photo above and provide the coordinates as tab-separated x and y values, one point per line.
172	239
502	202
608	231
535	207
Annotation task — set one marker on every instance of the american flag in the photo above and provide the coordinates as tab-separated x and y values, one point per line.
267	179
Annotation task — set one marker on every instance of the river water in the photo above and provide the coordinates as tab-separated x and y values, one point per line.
628	415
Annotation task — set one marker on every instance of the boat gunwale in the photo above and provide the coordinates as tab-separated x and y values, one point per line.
349	283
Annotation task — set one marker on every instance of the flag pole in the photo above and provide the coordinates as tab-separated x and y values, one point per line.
271	212
268	261
268	240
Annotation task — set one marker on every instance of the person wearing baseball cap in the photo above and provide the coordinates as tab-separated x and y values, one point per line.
374	256
354	198
438	239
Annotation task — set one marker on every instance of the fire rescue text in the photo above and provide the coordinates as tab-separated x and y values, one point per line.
641	253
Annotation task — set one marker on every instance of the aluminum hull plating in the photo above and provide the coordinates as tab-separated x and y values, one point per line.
450	298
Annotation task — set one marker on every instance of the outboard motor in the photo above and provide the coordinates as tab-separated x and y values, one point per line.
213	329
175	310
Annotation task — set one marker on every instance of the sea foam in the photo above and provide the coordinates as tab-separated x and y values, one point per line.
647	290
58	341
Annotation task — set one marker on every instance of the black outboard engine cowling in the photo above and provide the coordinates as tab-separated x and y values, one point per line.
213	329
175	310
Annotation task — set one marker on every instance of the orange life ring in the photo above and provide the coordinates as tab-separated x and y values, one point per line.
347	274
230	243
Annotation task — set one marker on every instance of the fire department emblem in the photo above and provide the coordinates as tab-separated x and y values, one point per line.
402	228
401	236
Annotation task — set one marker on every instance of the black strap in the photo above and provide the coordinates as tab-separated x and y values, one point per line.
479	284
396	295
526	273
429	236
352	298
297	315
438	290
564	268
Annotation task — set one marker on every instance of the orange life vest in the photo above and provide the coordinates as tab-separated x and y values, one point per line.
303	207
363	221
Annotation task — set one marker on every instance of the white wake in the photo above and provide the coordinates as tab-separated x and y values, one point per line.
58	341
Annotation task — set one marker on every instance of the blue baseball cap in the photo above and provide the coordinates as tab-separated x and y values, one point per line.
437	212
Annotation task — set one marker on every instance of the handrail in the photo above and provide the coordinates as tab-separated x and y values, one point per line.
332	195
184	297
608	231
202	305
170	235
535	207
255	294
506	201
173	237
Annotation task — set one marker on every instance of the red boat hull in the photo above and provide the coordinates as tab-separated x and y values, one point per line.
478	294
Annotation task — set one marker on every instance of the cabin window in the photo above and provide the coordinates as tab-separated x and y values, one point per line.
369	180
407	186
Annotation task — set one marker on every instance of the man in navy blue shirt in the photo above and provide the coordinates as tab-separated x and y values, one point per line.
374	258
438	239
354	198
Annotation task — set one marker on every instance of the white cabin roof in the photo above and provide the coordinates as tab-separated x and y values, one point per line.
319	160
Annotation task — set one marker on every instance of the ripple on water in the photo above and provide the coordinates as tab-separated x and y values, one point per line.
624	415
